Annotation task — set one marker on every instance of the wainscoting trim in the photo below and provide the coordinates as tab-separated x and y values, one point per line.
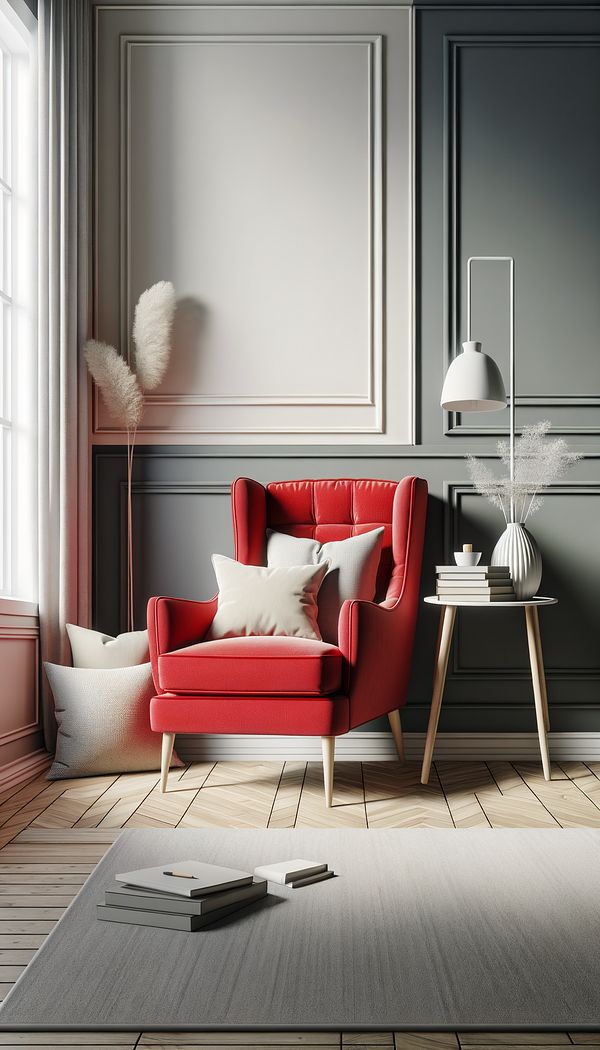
14	773
379	747
373	396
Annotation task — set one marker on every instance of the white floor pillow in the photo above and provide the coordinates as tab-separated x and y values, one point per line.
94	649
103	721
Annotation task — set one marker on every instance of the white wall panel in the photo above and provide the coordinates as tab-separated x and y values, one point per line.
260	159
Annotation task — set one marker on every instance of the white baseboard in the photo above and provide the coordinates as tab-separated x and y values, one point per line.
379	747
14	773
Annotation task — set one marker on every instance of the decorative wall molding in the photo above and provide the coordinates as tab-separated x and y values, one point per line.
452	515
25	634
367	412
379	747
374	389
16	629
453	44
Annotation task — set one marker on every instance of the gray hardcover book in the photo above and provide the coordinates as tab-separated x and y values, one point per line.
186	878
167	921
129	897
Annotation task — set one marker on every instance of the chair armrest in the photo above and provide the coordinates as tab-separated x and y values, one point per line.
376	642
174	623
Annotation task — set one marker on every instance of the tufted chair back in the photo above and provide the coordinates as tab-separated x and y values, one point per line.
325	509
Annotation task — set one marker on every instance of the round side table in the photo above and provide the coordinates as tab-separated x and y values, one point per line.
444	641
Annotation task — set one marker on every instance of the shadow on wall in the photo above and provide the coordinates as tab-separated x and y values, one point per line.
190	333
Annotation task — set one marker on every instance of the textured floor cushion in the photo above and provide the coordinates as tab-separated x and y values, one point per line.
103	718
253	666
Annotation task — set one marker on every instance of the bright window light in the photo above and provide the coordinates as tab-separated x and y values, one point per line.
18	395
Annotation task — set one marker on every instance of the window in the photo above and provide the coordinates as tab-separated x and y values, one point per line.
18	400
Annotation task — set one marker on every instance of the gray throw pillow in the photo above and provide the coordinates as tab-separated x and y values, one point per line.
255	600
353	565
103	717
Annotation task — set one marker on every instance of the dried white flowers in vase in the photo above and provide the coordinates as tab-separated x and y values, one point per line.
123	388
539	462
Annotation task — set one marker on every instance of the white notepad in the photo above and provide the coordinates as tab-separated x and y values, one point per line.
286	871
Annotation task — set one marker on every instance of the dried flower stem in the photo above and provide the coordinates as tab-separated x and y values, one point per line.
539	462
122	389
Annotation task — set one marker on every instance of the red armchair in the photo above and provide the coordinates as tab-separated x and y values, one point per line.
295	686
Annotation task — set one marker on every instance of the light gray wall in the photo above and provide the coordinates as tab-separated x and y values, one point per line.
261	160
507	161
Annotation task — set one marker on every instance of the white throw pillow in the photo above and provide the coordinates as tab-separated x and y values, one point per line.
103	717
93	649
255	600
353	565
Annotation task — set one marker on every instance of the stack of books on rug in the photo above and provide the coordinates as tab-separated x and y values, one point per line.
474	583
186	896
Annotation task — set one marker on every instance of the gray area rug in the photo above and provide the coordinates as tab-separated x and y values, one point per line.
421	929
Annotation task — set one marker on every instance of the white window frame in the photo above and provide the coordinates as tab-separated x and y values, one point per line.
18	303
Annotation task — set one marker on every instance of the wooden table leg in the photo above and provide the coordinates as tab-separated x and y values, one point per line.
538	640
539	683
447	618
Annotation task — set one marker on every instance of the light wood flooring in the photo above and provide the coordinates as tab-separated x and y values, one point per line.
52	834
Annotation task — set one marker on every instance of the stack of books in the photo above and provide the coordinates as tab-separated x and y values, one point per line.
474	583
186	896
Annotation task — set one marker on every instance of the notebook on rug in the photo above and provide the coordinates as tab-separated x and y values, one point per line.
189	878
294	872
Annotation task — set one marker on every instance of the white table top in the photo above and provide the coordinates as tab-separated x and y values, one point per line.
433	599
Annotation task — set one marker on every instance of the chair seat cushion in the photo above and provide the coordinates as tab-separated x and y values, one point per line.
271	666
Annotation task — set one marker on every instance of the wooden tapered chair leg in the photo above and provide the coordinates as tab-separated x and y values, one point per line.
168	739
328	745
396	727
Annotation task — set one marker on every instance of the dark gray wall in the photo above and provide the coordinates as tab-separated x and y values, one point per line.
508	162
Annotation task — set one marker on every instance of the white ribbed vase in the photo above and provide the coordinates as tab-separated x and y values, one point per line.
518	549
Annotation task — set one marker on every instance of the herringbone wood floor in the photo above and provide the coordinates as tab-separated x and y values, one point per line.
53	834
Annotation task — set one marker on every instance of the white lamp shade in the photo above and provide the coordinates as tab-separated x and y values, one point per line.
473	383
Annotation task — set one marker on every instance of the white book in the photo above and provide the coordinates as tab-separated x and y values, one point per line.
287	871
186	878
473	570
484	577
452	596
474	588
